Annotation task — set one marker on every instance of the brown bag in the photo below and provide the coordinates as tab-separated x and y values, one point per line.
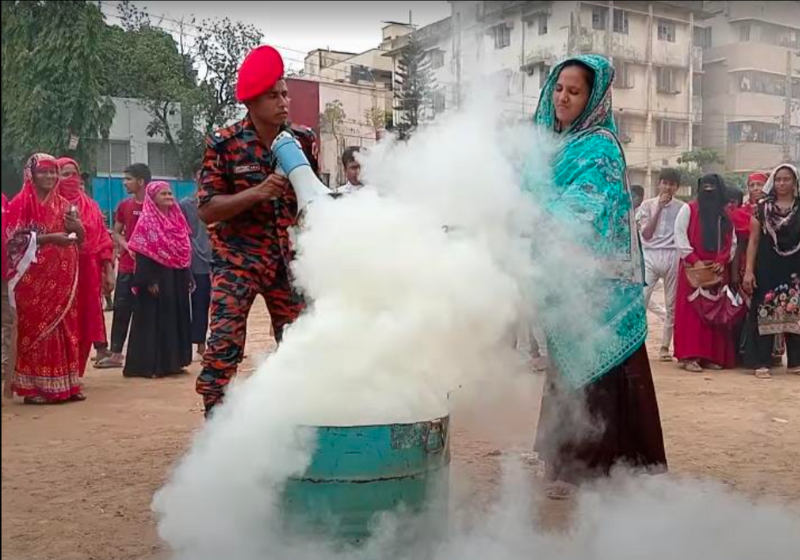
702	275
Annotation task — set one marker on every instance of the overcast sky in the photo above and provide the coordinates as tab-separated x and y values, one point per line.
302	26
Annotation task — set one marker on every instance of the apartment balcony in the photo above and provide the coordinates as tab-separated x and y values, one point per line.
632	48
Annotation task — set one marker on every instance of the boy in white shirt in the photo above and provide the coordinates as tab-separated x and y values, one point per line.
656	218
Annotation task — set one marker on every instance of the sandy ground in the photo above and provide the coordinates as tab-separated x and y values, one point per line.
77	479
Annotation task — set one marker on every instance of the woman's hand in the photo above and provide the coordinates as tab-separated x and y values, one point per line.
153	289
717	268
108	283
74	225
749	284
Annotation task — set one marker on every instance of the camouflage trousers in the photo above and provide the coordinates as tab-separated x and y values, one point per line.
233	291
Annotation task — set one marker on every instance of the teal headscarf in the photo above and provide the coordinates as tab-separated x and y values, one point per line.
588	200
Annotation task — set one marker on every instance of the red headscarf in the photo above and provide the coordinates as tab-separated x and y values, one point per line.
757	176
163	237
97	241
28	210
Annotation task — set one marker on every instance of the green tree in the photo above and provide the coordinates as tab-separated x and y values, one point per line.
331	121
220	49
414	85
191	72
145	62
52	90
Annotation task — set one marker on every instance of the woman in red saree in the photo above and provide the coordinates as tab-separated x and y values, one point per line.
44	234
704	232
95	266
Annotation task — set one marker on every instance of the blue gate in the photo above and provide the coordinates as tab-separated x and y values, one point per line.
109	192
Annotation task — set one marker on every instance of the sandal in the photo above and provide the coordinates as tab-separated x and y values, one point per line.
713	367
665	355
108	363
692	367
793	371
102	356
560	490
80	397
763	373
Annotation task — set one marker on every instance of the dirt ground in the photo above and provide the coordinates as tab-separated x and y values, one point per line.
77	479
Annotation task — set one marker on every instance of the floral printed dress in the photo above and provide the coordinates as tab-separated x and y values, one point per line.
776	301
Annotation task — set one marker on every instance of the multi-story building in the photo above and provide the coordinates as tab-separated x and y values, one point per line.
436	40
346	98
751	87
652	46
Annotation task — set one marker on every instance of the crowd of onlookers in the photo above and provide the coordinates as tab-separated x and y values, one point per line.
63	267
730	265
60	261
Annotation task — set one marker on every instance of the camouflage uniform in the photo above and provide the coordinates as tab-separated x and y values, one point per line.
250	252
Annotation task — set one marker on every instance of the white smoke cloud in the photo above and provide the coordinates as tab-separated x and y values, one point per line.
402	313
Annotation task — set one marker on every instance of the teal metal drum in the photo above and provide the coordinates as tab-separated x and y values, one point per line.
360	471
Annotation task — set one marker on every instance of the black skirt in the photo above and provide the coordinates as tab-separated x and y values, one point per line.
613	421
160	342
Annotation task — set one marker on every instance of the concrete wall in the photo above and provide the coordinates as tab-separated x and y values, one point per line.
130	125
746	157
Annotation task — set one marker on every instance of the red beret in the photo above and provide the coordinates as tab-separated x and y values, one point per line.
261	70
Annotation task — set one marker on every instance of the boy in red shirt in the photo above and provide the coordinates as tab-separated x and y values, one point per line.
137	176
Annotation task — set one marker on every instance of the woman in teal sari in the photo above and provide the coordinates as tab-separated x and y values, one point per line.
600	406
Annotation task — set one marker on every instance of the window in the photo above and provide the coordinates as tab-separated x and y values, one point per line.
620	22
439	102
113	156
162	160
667	133
437	58
544	73
702	37
666	31
599	17
667	80
623	75
502	36
754	132
542	25
744	32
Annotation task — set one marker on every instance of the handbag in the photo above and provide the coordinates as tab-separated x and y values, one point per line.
701	274
721	309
